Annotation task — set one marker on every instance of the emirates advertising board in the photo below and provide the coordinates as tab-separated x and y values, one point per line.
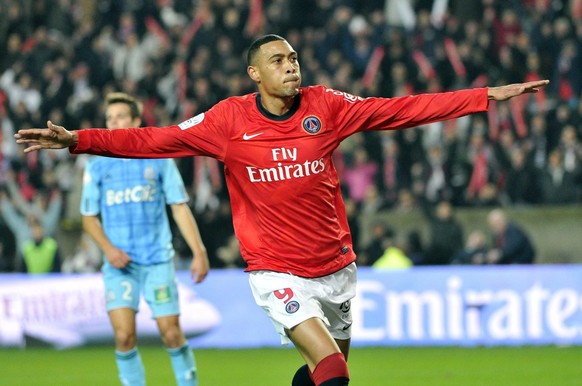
428	306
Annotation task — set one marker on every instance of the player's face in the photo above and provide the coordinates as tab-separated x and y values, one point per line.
118	115
277	70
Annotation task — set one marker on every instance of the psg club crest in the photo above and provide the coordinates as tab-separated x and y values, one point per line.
312	124
292	307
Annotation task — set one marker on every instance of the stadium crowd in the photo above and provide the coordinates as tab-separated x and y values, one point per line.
179	57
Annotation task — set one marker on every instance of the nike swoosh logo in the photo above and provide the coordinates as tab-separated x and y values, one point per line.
246	136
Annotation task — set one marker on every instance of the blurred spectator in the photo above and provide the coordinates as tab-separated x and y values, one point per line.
474	251
13	53
557	183
353	215
400	13
7	248
545	42
567	77
406	202
376	245
484	170
436	171
20	90
571	148
559	118
40	253
521	179
32	222
43	204
505	28
446	233
511	245
128	59
359	175
538	142
393	169
392	257
373	202
413	247
206	183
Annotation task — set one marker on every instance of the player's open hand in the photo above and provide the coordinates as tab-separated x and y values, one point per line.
51	137
503	93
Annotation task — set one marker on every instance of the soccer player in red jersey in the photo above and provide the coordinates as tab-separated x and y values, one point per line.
287	208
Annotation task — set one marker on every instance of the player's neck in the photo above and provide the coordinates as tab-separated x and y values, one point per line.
282	114
277	105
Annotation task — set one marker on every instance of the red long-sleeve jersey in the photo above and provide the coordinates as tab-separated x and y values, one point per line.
287	207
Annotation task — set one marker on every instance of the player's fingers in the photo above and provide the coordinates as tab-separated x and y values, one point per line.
54	128
535	85
30	133
31	148
26	140
198	277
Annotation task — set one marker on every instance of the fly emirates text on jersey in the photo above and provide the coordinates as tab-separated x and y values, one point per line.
282	171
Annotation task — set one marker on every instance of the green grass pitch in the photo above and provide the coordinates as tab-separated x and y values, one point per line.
379	366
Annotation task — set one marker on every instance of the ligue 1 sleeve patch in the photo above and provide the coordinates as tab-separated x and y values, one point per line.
162	294
311	124
191	122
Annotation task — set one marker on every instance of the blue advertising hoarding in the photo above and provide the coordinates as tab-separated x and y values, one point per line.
421	306
502	305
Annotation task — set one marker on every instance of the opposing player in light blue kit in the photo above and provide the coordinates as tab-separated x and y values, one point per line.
123	206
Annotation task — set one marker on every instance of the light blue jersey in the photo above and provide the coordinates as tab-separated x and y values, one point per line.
131	196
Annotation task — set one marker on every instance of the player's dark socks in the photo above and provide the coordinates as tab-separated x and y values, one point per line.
331	371
336	382
302	377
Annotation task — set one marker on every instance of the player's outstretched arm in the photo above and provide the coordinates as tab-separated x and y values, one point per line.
503	93
51	137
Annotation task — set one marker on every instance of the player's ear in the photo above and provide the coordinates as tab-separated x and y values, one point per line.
253	74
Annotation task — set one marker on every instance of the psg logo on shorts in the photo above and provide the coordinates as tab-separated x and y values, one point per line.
292	307
312	124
